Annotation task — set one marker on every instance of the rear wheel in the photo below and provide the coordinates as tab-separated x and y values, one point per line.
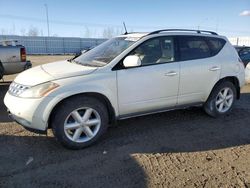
221	100
79	122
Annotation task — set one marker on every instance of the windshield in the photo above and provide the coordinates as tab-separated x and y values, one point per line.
106	52
237	49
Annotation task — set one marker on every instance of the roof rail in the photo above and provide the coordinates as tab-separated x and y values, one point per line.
198	31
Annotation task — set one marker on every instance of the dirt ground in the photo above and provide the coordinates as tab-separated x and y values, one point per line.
183	148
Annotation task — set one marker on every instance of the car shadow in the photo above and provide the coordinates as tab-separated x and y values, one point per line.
39	160
4	86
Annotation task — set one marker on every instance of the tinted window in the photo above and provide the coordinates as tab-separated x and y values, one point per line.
215	45
245	51
245	54
193	48
158	50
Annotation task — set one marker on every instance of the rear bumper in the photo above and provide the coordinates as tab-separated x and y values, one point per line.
28	65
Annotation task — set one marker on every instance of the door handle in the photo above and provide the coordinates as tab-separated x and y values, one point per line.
215	68
171	73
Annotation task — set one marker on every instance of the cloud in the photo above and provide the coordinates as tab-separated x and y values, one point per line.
245	13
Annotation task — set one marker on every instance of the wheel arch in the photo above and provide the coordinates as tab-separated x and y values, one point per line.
102	98
234	80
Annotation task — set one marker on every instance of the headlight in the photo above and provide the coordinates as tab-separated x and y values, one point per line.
38	91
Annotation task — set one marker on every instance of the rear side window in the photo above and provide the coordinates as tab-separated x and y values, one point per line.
215	45
193	48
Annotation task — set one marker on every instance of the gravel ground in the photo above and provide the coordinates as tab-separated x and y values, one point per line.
173	149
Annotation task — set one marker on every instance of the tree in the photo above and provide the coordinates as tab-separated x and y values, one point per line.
23	32
33	31
108	32
87	32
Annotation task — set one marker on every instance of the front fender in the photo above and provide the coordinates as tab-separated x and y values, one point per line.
107	89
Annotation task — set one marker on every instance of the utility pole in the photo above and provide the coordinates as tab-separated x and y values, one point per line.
47	15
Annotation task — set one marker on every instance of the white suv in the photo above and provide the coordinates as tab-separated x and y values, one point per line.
129	75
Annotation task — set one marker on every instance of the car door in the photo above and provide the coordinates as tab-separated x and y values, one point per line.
199	67
153	85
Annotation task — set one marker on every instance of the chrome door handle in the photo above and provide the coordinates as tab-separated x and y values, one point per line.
171	73
215	68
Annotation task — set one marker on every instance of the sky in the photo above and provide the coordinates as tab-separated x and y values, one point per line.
92	18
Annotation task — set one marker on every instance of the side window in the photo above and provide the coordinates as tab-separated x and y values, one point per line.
153	51
193	48
216	45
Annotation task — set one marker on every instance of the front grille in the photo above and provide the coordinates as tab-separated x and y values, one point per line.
16	89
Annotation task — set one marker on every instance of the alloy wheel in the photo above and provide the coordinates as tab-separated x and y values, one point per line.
224	100
82	124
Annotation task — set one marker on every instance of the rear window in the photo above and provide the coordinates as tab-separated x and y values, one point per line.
196	47
215	45
193	48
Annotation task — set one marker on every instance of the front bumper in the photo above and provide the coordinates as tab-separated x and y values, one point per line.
26	124
26	112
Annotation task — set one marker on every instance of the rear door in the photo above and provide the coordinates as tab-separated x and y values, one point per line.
200	68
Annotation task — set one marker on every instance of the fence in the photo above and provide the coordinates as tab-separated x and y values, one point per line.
241	41
73	45
54	45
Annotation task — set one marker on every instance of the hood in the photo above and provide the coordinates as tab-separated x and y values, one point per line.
52	71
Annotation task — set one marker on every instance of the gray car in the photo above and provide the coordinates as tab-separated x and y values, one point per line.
12	58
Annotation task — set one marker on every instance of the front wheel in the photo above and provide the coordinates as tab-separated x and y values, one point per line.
79	122
221	100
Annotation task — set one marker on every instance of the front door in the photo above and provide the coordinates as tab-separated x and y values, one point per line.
153	85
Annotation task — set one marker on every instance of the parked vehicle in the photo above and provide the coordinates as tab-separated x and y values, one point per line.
12	58
247	73
244	53
129	75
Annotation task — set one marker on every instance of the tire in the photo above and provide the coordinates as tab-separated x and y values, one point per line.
27	66
219	105
1	70
74	135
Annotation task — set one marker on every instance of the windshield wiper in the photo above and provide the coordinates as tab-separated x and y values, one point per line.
73	61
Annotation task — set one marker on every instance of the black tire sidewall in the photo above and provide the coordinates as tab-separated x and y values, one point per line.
210	106
66	108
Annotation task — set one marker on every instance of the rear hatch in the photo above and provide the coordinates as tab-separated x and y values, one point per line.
11	54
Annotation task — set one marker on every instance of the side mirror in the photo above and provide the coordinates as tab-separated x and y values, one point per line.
132	61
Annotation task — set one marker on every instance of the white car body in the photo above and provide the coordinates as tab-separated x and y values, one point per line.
171	84
247	73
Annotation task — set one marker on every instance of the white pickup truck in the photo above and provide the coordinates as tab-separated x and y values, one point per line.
12	58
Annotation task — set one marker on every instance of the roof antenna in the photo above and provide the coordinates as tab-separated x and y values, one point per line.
125	28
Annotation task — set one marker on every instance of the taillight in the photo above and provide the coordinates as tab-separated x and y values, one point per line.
23	54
